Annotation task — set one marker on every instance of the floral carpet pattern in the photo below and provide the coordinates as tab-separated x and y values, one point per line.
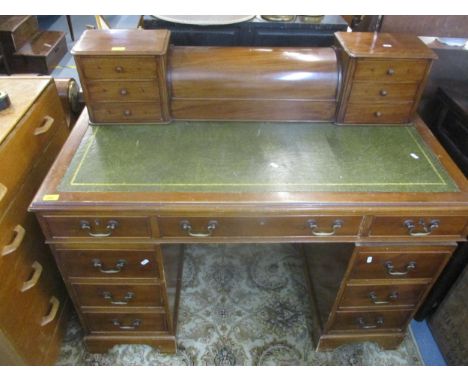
241	305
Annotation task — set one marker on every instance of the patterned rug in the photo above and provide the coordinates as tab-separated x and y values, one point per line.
241	305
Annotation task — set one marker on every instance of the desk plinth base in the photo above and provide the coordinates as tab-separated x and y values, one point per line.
102	344
387	341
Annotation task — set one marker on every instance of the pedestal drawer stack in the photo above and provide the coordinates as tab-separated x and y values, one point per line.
33	299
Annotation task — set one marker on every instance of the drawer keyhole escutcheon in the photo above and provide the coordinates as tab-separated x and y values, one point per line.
312	224
129	296
391	297
378	323
390	268
134	325
110	227
426	230
187	227
119	265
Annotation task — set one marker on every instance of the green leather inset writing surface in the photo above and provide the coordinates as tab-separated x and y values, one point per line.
254	157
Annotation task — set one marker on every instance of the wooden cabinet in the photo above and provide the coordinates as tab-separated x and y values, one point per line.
33	307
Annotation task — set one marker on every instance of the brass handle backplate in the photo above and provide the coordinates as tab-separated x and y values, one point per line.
312	224
187	227
426	230
134	325
126	299
390	268
110	227
378	323
391	297
119	265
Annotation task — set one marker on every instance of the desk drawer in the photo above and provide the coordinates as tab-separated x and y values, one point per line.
381	296
123	112
98	227
126	322
135	263
116	67
378	113
383	92
118	295
418	226
24	146
371	321
390	70
135	90
313	226
398	262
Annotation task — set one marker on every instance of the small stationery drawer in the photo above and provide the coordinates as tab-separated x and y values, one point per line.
121	295
109	263
135	90
390	70
398	262
381	296
31	136
116	67
314	226
383	92
371	320
126	322
378	113
418	226
98	227
125	112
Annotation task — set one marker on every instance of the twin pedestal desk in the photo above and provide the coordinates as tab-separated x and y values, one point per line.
316	147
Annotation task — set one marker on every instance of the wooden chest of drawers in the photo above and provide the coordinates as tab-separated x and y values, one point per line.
383	76
123	74
33	299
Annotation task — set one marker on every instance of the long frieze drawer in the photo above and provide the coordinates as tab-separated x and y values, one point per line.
398	263
381	296
126	322
419	226
121	112
28	140
365	321
390	70
134	90
99	228
115	67
314	226
109	263
118	295
378	113
383	92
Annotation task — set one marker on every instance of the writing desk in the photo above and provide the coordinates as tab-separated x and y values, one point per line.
385	203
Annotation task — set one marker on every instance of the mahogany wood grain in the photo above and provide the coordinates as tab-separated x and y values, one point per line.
382	92
118	67
390	71
124	91
125	112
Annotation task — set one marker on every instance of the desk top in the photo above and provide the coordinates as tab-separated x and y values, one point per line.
252	162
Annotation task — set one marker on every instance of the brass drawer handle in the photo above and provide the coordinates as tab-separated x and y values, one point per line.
390	71
45	126
409	224
34	278
337	224
111	226
3	191
20	232
127	298
53	311
134	325
119	69
187	227
119	265
390	268
383	93
391	297
123	92
378	323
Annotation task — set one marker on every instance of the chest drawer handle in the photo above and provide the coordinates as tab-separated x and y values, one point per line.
409	224
187	227
119	69
127	298
119	265
127	112
390	268
3	191
390	71
34	278
20	232
111	226
45	126
55	304
378	323
383	93
134	325
391	297
123	92
337	224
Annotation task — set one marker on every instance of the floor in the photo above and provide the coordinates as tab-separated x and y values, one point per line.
426	345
